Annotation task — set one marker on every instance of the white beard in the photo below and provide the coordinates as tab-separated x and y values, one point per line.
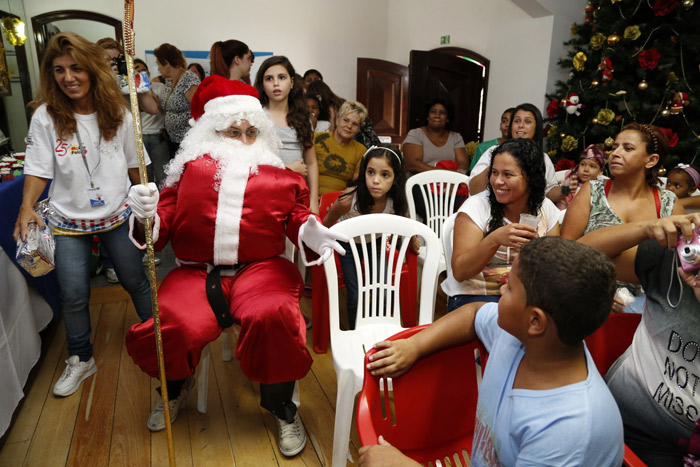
202	139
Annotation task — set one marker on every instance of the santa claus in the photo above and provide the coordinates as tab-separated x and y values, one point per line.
227	206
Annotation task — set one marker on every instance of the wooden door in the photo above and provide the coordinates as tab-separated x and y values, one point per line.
456	73
382	87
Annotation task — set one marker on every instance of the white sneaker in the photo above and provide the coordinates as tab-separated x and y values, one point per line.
156	420
292	436
112	276
75	372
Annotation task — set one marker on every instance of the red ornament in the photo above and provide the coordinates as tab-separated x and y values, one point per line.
552	108
670	135
664	7
679	100
649	59
607	68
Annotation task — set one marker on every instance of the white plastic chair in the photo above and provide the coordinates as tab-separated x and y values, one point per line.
447	242
378	307
439	190
203	377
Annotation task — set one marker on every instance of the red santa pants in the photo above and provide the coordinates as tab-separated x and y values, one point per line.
263	298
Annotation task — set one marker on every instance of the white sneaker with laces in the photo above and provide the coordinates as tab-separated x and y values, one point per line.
75	372
292	436
156	420
112	276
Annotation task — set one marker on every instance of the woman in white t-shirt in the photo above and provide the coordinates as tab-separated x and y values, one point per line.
81	138
488	234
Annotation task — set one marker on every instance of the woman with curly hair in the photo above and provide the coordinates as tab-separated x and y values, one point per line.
283	99
488	233
82	139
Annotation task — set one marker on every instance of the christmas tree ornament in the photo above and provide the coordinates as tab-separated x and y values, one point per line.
569	143
598	41
606	67
632	33
595	120
14	31
643	85
664	7
589	13
672	78
551	131
649	59
605	116
613	39
662	172
562	135
579	61
595	83
679	100
687	4
609	142
572	104
665	112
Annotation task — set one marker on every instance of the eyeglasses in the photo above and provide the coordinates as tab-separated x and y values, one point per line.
235	133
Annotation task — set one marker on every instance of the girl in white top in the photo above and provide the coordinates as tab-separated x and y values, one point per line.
378	189
283	99
488	234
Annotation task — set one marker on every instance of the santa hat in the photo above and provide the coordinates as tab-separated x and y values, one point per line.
220	96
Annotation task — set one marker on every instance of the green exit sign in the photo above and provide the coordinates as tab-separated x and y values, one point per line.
444	39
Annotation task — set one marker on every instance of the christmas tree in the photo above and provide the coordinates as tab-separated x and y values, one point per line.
629	61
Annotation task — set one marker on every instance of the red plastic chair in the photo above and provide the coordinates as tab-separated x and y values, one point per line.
434	405
427	413
319	297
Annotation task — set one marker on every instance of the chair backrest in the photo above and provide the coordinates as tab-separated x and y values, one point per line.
612	339
384	239
428	413
447	241
439	191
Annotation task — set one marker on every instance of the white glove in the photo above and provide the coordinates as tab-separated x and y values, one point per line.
320	239
143	201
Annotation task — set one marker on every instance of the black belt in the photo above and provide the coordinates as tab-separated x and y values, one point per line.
216	297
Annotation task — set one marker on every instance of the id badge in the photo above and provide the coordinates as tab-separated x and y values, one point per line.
95	197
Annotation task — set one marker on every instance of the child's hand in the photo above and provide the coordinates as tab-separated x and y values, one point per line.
393	358
514	235
573	183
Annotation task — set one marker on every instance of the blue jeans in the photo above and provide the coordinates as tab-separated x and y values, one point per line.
459	300
73	272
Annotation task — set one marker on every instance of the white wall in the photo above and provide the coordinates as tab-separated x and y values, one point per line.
318	34
331	35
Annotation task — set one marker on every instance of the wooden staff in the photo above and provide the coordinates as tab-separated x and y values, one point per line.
129	53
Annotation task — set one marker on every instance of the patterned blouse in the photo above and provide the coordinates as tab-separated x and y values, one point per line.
177	108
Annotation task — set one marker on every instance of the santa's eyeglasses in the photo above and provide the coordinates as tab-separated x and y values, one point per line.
250	133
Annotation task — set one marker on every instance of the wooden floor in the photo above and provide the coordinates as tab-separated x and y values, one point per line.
104	422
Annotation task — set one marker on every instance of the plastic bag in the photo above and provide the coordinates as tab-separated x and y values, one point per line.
36	253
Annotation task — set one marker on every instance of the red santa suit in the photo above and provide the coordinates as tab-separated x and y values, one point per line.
229	207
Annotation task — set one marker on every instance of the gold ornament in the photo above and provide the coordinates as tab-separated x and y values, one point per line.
605	116
687	4
643	85
662	172
595	83
562	135
615	1
574	29
595	121
14	31
598	41
569	144
672	78
632	33
552	152
665	113
580	61
609	142
552	131
613	39
470	148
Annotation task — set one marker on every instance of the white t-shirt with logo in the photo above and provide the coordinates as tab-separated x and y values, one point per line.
76	209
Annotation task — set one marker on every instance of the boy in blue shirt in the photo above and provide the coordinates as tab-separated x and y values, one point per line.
541	401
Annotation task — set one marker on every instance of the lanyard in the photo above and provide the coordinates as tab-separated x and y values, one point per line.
83	152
